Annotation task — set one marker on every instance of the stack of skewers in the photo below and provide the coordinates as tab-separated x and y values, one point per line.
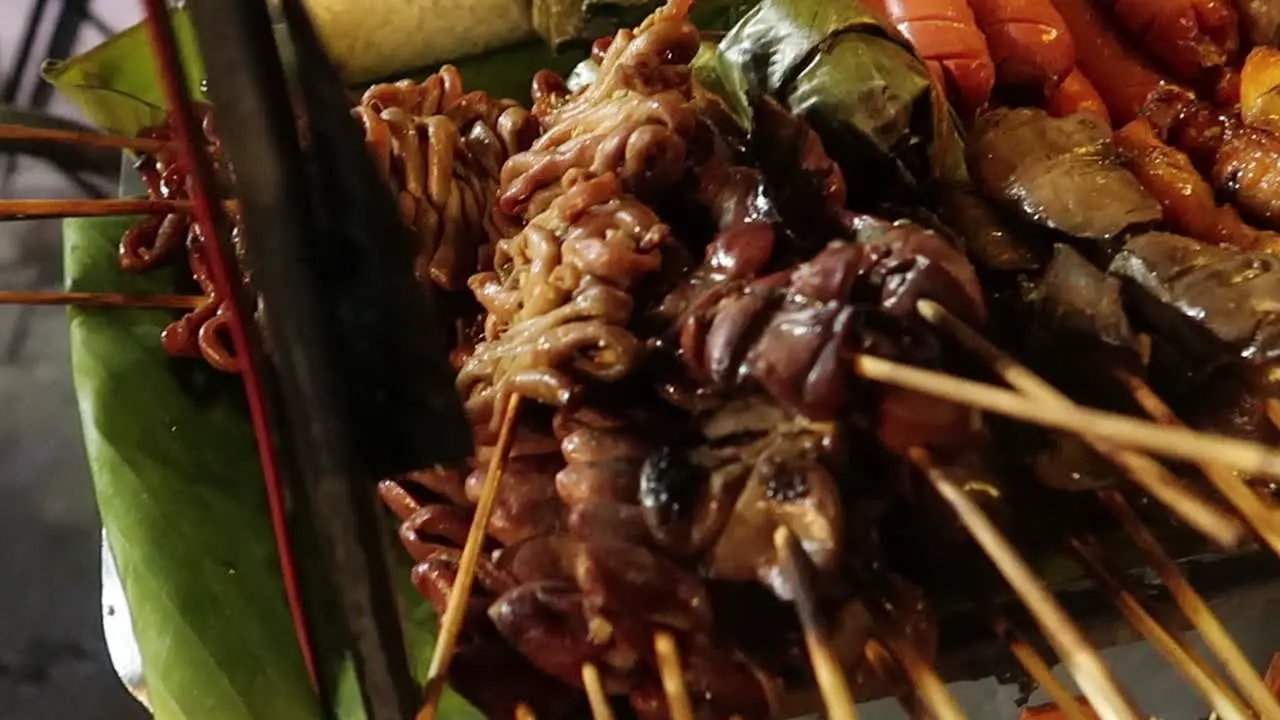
735	329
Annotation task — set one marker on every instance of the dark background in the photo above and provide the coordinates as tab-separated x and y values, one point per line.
53	659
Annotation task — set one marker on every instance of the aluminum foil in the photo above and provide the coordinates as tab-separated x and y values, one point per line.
117	625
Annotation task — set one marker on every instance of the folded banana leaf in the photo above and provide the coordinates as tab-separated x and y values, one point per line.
854	79
172	453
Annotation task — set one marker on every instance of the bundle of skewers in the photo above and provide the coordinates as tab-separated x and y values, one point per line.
752	333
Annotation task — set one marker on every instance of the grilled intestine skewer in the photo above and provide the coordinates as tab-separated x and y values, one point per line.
585	240
440	149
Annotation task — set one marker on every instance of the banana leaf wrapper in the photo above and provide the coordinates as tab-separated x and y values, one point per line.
855	80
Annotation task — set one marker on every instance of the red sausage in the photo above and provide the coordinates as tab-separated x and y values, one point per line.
1189	36
1122	78
1076	95
1028	40
944	32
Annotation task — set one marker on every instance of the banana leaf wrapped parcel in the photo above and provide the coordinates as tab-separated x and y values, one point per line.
856	81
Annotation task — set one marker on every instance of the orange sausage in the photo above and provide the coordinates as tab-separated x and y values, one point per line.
1076	94
1189	202
944	33
1028	40
1123	79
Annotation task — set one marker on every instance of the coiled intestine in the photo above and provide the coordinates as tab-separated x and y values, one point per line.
581	238
635	119
440	150
159	239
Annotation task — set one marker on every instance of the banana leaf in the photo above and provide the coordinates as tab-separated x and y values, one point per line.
855	80
172	453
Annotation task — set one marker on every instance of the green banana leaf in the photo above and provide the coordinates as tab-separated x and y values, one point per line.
855	80
115	84
172	453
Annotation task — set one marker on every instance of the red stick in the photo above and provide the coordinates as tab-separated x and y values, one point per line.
191	143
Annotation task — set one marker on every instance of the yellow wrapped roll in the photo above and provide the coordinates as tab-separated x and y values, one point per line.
373	39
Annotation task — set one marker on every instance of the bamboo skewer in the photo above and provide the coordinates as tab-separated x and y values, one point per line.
837	698
1263	519
82	138
931	692
1122	430
596	696
678	704
102	300
1185	596
455	609
1088	668
1193	667
524	712
1152	477
1273	674
43	209
1195	608
1041	673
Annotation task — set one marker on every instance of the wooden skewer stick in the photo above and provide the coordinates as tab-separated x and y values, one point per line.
524	712
1262	518
1036	666
102	300
796	566
1188	600
1123	430
1273	674
41	209
1088	668
1152	477
930	691
1193	667
81	137
678	703
1193	606
455	609
596	695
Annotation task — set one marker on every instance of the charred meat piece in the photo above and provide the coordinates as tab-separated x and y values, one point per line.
1076	301
793	333
1215	322
1061	173
1231	294
758	467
